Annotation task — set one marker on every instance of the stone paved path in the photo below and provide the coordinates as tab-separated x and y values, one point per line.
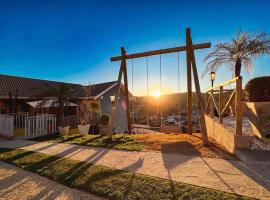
16	183
249	178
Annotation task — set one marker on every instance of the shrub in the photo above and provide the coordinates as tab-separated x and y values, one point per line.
258	89
104	120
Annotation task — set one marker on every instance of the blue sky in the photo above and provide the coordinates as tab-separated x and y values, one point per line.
73	40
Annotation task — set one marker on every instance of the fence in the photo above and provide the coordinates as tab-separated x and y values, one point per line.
19	119
6	125
40	125
35	126
221	106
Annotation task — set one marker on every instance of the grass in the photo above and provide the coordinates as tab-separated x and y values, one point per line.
119	141
107	182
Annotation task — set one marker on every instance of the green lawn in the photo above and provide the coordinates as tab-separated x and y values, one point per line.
106	182
119	141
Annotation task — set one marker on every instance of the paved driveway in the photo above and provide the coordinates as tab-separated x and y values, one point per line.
244	178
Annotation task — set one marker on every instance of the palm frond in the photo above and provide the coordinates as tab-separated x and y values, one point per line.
243	47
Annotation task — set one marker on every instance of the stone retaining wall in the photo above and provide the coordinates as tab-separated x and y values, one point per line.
259	116
225	135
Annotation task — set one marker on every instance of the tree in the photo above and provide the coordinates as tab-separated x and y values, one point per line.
61	93
87	105
241	50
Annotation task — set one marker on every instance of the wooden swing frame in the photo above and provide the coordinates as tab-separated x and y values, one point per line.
191	67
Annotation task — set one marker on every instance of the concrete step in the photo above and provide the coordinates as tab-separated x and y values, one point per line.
248	155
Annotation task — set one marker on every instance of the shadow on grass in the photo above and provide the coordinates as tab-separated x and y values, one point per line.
114	173
170	162
107	182
91	140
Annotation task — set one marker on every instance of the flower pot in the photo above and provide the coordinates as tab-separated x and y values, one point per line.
84	129
63	130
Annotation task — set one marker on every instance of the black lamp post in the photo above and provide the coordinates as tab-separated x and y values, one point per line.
212	77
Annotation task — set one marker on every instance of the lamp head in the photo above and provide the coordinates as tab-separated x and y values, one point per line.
212	76
112	98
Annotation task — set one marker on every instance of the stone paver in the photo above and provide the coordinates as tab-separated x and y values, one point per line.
250	179
16	183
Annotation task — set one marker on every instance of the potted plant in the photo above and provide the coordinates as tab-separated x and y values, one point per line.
105	125
94	128
84	127
87	112
63	130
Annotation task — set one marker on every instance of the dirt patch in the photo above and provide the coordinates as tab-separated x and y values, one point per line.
184	144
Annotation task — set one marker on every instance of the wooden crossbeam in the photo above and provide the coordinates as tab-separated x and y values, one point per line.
214	101
228	103
161	51
207	104
223	84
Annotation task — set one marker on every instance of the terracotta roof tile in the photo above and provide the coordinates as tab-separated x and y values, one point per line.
31	88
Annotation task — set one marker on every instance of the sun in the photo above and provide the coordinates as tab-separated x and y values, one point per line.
156	93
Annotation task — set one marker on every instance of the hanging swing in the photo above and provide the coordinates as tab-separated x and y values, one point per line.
147	93
160	88
179	92
176	127
147	126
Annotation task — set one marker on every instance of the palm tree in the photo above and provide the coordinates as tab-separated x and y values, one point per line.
241	50
61	93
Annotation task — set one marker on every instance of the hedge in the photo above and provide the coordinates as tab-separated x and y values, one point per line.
257	89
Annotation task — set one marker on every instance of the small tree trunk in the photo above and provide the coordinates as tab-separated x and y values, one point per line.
61	113
237	68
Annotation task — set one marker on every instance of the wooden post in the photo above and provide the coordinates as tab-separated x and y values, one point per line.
238	106
198	89
205	103
115	105
220	104
189	82
124	66
211	106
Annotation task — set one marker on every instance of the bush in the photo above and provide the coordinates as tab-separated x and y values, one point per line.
104	120
258	89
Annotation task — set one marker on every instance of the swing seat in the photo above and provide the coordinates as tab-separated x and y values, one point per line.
170	129
140	126
141	129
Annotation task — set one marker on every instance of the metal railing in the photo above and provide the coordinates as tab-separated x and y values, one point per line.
6	125
222	106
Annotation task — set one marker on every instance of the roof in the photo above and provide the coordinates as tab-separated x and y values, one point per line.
30	88
96	90
49	104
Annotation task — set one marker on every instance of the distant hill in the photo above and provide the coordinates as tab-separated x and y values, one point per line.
169	103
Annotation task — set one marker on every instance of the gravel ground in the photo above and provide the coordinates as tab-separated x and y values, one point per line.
255	143
16	183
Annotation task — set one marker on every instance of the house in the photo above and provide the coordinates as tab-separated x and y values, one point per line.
16	93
